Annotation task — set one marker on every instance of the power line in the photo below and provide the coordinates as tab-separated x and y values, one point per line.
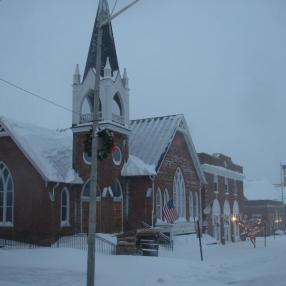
36	95
114	6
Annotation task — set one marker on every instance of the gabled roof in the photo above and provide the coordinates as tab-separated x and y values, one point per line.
151	138
108	44
49	151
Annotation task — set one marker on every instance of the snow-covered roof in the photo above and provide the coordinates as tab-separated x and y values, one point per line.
136	167
149	141
261	190
49	151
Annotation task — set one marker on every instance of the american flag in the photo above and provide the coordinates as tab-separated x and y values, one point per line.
169	211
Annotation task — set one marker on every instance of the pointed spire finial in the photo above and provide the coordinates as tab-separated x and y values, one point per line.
125	79
76	76
108	44
107	68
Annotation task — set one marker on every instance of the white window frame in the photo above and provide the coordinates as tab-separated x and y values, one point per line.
179	194
4	222
117	163
196	206
65	223
166	198
191	205
226	186
86	198
215	183
120	197
159	215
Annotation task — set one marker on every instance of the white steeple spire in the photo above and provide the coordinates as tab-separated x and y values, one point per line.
76	76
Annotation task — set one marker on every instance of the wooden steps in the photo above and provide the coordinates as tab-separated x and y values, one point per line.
139	242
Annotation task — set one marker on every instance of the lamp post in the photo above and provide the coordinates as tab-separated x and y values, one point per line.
93	182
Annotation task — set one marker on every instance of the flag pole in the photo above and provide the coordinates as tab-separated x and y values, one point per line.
282	193
200	239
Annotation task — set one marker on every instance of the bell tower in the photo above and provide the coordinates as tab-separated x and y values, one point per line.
113	116
114	90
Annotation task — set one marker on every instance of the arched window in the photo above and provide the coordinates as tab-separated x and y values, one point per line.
235	220
226	221
165	197
65	207
6	196
116	105
87	107
179	197
191	205
116	189
159	204
85	194
165	200
216	214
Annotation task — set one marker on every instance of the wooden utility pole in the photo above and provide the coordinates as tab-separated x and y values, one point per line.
93	177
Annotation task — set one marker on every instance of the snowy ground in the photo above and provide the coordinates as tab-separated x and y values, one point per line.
235	264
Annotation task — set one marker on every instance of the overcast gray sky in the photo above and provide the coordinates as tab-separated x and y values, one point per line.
222	63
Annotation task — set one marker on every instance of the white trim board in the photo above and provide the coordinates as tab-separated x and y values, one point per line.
223	172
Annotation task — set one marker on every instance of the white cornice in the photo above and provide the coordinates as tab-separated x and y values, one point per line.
223	172
110	125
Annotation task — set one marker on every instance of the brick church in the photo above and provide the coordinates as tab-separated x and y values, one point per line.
44	174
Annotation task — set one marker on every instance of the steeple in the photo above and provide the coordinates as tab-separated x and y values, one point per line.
108	45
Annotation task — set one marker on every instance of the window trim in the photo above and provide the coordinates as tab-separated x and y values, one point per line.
117	163
65	223
159	195
85	160
4	223
180	205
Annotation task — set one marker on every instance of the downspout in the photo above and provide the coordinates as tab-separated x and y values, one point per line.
152	178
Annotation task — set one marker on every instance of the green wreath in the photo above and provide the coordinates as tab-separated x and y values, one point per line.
106	147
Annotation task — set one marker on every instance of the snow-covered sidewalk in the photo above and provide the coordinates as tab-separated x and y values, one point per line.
233	264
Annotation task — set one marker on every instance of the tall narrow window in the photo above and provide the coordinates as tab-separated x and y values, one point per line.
226	185
116	189
6	196
179	196
195	204
215	186
65	207
159	204
85	195
191	205
166	197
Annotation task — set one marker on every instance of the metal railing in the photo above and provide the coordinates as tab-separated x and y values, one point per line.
79	241
88	117
76	241
6	243
164	240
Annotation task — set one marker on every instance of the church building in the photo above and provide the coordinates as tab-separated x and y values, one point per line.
45	174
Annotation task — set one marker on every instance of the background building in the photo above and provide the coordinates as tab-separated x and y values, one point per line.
223	201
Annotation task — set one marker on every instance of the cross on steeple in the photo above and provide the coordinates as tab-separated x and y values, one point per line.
108	44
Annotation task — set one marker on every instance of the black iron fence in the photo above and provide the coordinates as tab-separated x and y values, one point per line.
6	243
79	241
76	241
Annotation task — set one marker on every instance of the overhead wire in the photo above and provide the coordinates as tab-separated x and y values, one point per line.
36	95
114	6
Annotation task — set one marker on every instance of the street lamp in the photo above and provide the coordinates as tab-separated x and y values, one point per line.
93	182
